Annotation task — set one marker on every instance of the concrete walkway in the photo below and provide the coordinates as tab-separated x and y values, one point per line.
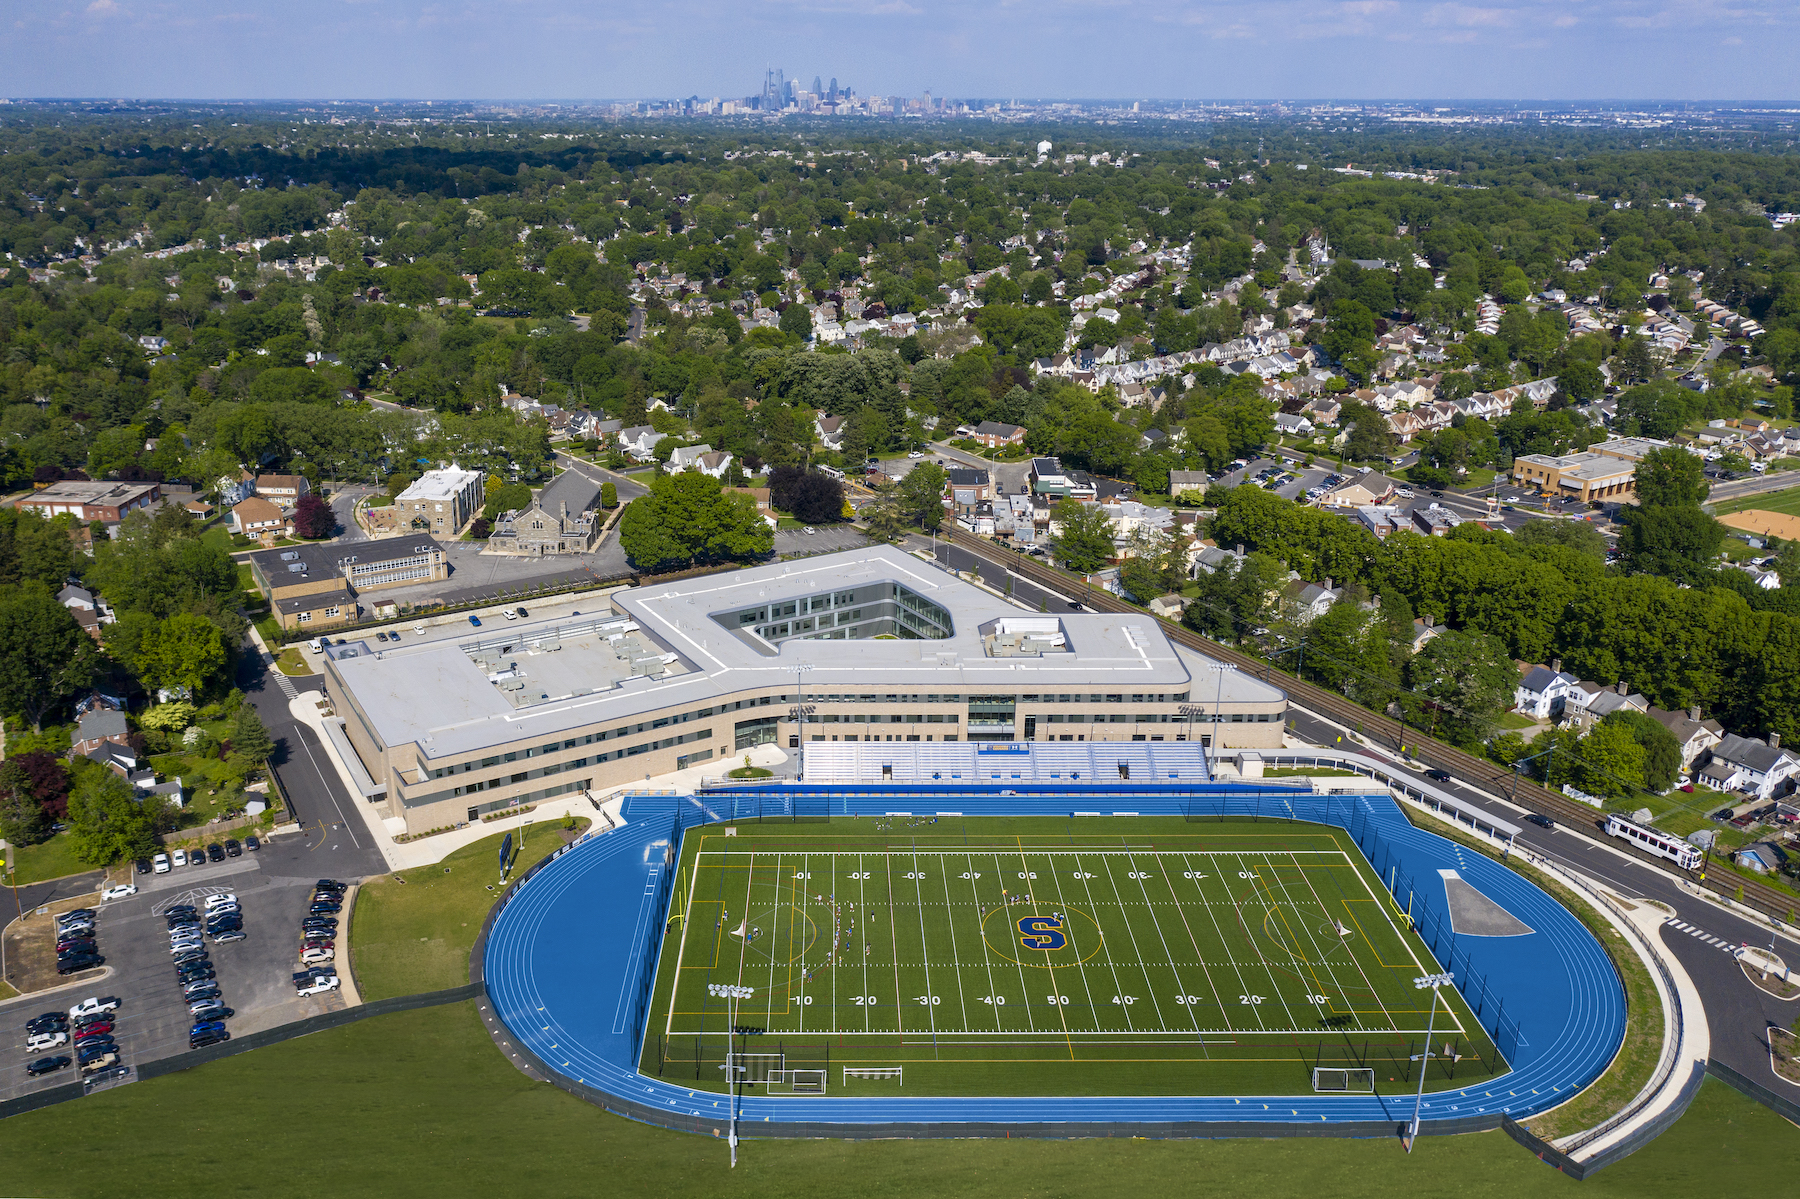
601	806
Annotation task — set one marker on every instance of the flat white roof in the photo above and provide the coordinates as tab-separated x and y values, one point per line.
439	484
435	694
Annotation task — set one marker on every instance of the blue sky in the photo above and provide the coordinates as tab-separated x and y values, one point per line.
1198	49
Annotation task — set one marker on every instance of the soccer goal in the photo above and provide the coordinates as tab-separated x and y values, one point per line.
876	1073
795	1082
1360	1080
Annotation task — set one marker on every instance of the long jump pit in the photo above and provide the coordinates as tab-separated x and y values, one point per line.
1764	523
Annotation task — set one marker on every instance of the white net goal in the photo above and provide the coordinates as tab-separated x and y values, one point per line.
1356	1080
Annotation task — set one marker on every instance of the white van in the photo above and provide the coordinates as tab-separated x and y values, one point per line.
317	644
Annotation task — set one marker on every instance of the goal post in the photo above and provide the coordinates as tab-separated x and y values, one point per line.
1336	1080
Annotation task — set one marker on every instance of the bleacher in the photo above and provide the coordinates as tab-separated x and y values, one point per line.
1003	762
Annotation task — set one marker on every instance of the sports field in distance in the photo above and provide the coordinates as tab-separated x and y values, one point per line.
1114	955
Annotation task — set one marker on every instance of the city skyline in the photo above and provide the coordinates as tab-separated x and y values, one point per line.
1197	49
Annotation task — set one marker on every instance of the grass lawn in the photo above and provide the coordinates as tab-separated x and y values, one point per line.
415	935
421	1103
1513	720
292	661
49	859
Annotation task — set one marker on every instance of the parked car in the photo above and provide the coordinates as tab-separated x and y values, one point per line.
92	1006
47	1065
77	965
104	1062
233	934
77	915
215	852
119	892
202	1040
317	986
48	1022
210	1009
89	1028
38	1042
213	901
232	848
179	857
474	620
316	957
143	865
252	844
205	990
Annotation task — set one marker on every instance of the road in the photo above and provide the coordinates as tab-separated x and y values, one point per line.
1700	936
335	840
34	895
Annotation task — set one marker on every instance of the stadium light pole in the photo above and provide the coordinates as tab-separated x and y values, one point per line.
800	669
731	994
1433	982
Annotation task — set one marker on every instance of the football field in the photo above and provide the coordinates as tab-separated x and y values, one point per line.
1112	955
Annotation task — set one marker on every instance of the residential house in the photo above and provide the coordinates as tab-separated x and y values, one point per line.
258	518
994	434
1183	481
87	610
1293	425
1369	488
640	441
763	507
1168	607
1694	735
830	430
98	727
1543	690
1304	602
1765	857
1588	703
234	488
1749	766
1424	629
284	490
702	458
1049	479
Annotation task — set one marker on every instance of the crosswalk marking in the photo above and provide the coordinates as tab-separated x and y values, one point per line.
1701	934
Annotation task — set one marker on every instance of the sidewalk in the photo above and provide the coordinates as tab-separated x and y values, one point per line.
604	806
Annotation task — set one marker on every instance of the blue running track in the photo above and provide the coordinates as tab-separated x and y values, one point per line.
570	959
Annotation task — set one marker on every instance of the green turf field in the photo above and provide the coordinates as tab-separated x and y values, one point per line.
1045	956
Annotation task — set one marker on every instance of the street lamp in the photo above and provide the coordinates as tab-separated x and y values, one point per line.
731	994
1433	982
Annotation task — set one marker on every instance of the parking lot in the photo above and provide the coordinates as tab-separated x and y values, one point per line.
825	539
254	975
1296	480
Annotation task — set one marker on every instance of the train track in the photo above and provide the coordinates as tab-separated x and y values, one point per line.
1576	817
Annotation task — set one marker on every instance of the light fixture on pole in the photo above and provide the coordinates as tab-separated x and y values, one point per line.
800	669
731	994
1433	982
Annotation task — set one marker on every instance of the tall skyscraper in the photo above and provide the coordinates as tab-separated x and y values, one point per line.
818	89
834	91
